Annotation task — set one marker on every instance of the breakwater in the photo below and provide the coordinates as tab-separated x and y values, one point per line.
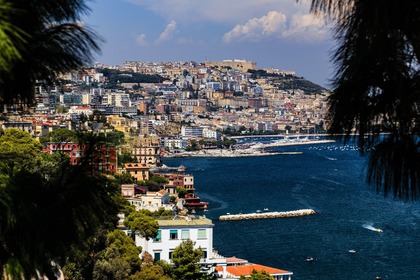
267	215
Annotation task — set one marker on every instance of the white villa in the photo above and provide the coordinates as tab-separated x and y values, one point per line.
173	231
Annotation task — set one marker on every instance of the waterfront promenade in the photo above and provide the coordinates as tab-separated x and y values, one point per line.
256	149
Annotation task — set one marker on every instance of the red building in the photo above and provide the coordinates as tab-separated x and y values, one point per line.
102	158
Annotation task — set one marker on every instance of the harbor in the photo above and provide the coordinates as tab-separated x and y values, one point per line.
267	215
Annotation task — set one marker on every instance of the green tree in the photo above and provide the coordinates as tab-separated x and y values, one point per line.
258	275
119	259
153	272
47	39
142	224
59	135
185	259
68	200
11	37
125	157
18	150
181	192
375	88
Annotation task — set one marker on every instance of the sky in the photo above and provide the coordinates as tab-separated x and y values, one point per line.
279	34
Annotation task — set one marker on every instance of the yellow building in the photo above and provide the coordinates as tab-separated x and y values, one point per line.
119	123
147	150
237	64
140	171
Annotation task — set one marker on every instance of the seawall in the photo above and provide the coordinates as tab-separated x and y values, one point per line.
267	215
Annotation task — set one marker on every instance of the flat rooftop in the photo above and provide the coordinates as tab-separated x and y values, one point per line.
189	220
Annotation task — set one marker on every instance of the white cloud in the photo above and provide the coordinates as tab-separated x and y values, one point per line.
141	40
168	32
301	27
307	27
257	28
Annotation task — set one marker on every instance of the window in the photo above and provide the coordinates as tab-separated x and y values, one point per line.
202	234
158	237
170	255
173	234
185	234
204	253
156	256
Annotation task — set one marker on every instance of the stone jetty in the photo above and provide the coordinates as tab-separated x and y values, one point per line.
267	215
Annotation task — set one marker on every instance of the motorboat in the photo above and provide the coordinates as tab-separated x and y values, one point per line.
309	259
181	168
378	230
265	209
352	251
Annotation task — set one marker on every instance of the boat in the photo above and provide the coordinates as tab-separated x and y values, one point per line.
309	259
265	209
352	251
378	230
181	168
258	211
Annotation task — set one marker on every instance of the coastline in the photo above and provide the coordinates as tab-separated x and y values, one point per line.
257	149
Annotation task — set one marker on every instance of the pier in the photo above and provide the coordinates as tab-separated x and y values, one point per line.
267	215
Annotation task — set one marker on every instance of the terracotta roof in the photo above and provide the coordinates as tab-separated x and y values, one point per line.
247	269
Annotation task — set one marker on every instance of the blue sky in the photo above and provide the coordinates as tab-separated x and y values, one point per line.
273	33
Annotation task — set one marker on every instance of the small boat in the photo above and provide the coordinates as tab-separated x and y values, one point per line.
352	251
258	211
181	168
378	230
265	209
309	259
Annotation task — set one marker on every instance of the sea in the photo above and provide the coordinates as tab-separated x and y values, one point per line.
328	178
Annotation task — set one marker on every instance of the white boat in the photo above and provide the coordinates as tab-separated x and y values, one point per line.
378	230
352	251
181	168
309	259
265	209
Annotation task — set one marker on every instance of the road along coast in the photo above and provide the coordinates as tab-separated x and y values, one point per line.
267	215
257	149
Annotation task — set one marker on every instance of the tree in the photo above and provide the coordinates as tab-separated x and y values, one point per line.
18	150
49	40
59	135
62	210
153	272
142	224
185	259
258	275
376	89
11	37
181	192
119	259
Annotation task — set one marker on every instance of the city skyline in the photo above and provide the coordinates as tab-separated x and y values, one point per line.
277	34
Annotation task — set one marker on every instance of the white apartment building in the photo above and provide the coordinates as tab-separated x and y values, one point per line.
172	232
192	131
211	134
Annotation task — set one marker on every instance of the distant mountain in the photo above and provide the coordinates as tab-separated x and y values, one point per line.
288	82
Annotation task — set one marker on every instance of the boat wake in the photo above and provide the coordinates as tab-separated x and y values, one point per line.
212	199
370	226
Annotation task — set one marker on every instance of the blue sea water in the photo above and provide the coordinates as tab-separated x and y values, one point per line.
329	178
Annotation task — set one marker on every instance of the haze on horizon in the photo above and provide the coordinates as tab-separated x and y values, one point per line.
278	34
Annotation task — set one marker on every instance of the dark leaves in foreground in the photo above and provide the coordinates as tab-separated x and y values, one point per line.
46	217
